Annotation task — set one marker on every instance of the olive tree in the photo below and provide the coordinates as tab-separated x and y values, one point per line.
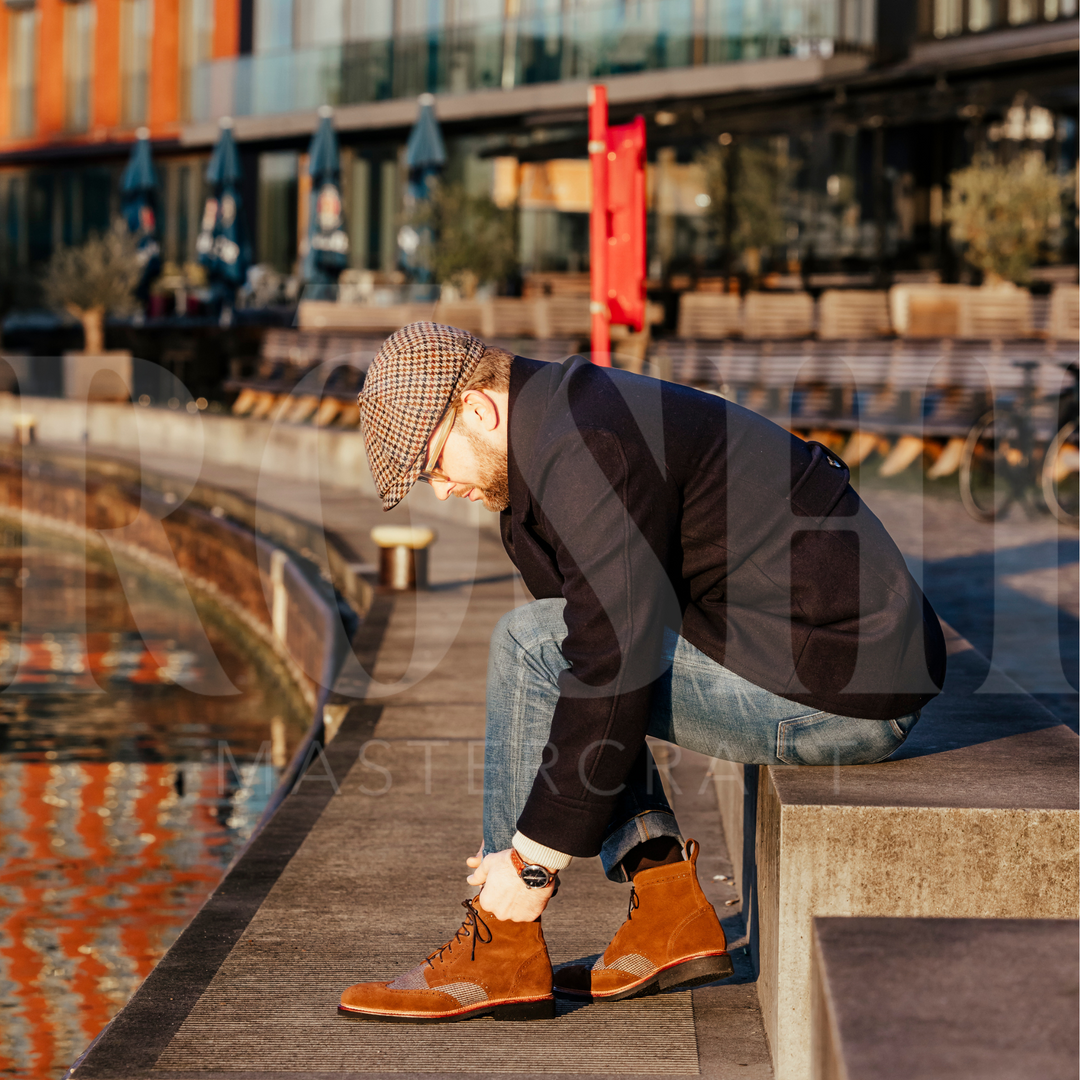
93	279
1005	213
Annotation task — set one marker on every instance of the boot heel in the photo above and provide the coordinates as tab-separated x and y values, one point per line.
705	969
525	1010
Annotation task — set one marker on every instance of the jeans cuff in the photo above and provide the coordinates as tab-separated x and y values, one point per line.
626	837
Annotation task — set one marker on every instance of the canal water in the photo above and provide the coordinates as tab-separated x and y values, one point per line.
123	794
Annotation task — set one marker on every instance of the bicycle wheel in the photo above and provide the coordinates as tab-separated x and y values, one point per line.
994	466
1061	475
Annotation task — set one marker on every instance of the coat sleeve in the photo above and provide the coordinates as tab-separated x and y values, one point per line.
610	524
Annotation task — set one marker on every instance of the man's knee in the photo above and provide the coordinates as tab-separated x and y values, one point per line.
529	628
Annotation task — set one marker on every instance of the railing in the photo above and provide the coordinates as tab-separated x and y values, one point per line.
581	42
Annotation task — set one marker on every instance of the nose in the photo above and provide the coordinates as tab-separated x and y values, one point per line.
442	490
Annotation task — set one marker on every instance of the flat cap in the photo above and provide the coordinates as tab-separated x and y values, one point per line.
411	382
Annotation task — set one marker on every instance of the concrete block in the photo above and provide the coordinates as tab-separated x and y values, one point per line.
945	999
976	817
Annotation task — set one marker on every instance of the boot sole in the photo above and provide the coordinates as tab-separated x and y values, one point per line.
507	1010
695	972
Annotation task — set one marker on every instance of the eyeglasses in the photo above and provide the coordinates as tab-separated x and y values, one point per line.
431	473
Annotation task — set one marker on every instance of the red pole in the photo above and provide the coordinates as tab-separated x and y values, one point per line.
598	227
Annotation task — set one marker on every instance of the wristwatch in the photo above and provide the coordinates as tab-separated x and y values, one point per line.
534	875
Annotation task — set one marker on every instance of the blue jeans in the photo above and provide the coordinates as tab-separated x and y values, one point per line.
697	704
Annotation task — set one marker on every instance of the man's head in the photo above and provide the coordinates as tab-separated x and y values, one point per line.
434	407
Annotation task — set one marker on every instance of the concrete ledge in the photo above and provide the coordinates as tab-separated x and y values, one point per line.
945	999
975	818
175	442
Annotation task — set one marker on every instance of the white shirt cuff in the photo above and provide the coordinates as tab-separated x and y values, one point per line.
533	852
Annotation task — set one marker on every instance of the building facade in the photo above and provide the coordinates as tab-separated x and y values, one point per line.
828	127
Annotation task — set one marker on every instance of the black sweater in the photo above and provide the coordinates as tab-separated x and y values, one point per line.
647	504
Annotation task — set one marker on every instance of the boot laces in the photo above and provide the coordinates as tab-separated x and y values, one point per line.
634	904
473	927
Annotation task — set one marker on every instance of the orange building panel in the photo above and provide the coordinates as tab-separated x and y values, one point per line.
107	65
165	64
5	94
226	28
50	90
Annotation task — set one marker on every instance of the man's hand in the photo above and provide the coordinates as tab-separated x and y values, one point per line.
504	894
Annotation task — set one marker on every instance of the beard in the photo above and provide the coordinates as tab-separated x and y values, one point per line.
493	477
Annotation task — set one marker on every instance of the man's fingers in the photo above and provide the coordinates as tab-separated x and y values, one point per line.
480	868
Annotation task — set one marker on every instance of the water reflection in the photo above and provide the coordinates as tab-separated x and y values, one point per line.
122	795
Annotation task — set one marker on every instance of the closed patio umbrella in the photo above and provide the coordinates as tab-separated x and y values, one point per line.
327	251
222	245
425	158
138	199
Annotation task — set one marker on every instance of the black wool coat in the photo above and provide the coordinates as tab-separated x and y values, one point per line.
645	505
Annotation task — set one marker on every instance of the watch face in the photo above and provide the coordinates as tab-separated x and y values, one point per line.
536	877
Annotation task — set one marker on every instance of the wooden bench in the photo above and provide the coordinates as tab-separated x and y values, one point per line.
563	316
304	376
987	314
330	315
709	316
508	317
853	314
778	315
1064	323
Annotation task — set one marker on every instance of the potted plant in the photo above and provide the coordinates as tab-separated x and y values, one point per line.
1004	213
473	240
89	281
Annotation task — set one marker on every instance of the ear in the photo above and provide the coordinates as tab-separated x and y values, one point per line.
479	404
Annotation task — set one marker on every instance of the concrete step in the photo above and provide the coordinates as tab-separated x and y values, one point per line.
945	999
975	818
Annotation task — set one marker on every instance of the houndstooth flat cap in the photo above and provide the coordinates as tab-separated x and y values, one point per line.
408	387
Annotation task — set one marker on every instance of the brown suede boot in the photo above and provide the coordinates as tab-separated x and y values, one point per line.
489	968
671	937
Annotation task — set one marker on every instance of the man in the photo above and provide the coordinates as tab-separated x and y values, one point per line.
700	575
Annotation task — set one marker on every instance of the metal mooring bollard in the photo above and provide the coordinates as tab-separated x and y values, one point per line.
403	556
25	429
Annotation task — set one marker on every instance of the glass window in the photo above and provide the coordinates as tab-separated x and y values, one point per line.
278	172
319	22
369	20
80	21
196	45
183	219
948	17
22	71
983	14
136	27
1024	11
273	25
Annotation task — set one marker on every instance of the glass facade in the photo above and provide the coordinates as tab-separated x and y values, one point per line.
196	45
948	18
384	50
22	71
80	21
136	28
276	241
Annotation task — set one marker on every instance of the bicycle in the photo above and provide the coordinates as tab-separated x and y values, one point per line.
1014	451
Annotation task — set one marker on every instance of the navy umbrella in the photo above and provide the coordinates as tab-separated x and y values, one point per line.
327	251
222	245
138	199
425	158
